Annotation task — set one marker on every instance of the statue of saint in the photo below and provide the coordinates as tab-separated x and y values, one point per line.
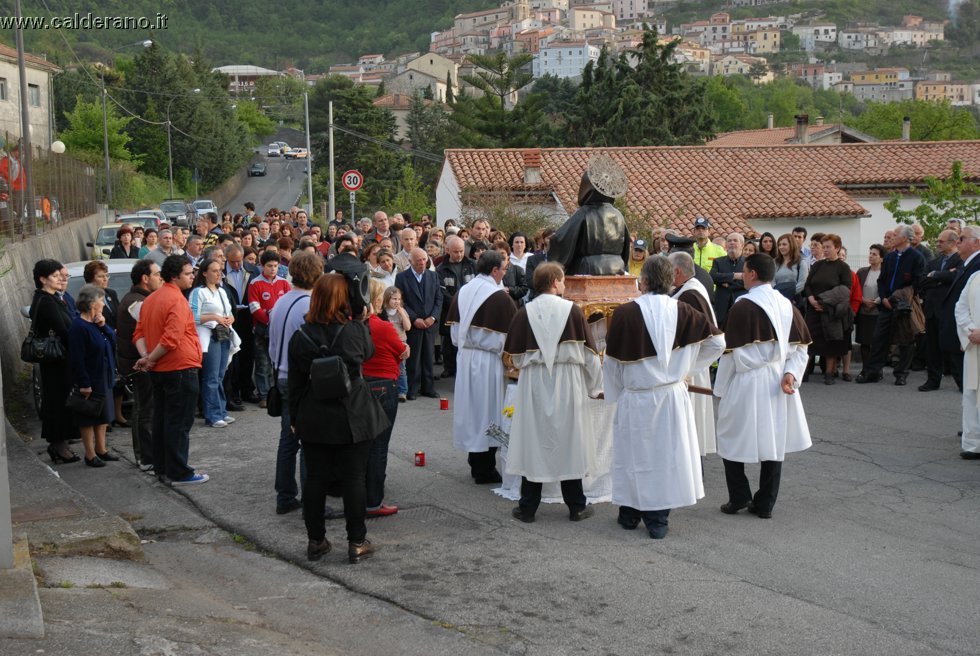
594	241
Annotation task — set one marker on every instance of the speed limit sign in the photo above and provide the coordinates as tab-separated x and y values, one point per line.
352	180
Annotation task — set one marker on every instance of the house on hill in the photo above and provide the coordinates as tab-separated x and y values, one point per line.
832	188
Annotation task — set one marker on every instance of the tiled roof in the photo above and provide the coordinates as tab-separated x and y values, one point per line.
730	185
33	61
763	137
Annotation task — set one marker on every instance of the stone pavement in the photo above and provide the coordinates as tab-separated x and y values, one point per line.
873	548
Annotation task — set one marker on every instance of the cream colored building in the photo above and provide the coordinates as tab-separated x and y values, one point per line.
437	66
39	93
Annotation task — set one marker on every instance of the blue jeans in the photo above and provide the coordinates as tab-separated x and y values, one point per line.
384	390
263	365
174	400
289	445
214	362
402	379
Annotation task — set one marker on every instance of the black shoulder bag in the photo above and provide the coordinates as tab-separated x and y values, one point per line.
329	378
41	349
273	400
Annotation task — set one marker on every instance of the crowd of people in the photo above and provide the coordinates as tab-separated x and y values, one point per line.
253	309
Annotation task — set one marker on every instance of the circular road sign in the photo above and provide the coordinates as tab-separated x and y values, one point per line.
352	180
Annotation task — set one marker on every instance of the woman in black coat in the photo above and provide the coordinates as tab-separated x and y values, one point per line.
514	279
91	352
336	433
124	248
50	315
97	273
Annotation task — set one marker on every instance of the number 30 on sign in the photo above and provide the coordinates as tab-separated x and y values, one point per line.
352	180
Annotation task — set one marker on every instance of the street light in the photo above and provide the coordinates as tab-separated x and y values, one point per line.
170	152
105	126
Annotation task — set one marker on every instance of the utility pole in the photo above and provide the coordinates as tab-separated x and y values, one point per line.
333	199
105	144
309	160
26	153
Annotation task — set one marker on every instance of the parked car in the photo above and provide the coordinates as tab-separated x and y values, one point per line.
177	210
283	147
273	150
104	240
296	153
205	206
145	220
256	169
160	214
119	280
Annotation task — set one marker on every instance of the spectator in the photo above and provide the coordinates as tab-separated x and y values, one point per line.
433	248
170	350
828	314
799	235
705	252
124	248
856	297
164	249
638	255
917	234
263	293
381	373
867	315
791	269
514	282
933	288
408	240
96	273
767	245
91	348
370	255
214	315
726	273
284	320
454	272
381	228
902	268
193	249
478	248
50	315
396	315
145	277
251	256
149	243
749	248
335	433
422	296
238	378
816	247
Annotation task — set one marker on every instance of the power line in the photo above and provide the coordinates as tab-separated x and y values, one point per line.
391	145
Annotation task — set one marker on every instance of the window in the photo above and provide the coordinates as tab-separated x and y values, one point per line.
34	95
3	88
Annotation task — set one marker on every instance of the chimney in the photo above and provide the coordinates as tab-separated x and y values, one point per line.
906	129
769	121
818	120
532	166
802	123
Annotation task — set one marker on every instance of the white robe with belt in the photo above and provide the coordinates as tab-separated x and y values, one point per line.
704	405
757	421
656	458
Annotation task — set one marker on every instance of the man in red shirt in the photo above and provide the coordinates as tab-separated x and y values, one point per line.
263	293
170	350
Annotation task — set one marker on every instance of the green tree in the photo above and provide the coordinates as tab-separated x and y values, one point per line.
410	194
487	120
931	121
85	134
150	140
258	124
942	199
725	104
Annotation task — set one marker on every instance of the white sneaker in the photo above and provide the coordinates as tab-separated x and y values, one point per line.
221	423
229	419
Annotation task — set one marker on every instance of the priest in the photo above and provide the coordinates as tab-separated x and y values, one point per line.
654	344
479	317
760	416
551	435
688	289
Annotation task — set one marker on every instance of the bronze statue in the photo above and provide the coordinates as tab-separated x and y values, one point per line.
594	241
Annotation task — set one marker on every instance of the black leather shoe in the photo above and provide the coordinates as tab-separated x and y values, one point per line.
519	514
253	398
358	551
928	387
901	381
99	462
966	455
585	513
761	514
430	395
629	523
235	407
488	478
410	397
868	378
315	550
288	507
731	507
108	457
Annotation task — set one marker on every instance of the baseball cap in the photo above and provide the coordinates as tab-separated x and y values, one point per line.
702	222
640	245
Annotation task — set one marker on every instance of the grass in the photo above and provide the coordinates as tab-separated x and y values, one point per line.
243	542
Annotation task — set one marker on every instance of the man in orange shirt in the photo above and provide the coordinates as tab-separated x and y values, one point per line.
170	350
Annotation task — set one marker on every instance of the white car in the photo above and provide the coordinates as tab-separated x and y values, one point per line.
273	150
205	206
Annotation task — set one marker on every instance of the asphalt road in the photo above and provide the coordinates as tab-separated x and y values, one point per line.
874	547
283	183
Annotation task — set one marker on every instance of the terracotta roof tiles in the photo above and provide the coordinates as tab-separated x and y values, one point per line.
730	185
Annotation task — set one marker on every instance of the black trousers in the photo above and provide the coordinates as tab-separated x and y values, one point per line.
142	417
238	377
347	462
482	463
738	485
449	351
174	399
571	494
955	361
881	344
938	360
420	361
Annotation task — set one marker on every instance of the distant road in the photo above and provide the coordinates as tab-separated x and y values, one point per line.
283	182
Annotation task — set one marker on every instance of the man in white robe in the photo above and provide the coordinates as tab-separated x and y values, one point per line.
551	435
654	344
479	318
967	314
688	289
760	417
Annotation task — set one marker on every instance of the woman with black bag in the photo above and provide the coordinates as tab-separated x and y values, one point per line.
335	425
91	352
50	317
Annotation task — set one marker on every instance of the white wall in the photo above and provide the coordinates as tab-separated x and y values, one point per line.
448	203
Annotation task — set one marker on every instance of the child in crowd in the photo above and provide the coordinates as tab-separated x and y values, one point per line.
398	317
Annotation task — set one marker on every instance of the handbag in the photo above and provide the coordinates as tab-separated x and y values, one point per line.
88	407
329	378
273	400
42	349
221	333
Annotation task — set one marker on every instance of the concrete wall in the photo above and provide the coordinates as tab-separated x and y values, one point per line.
66	244
227	191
